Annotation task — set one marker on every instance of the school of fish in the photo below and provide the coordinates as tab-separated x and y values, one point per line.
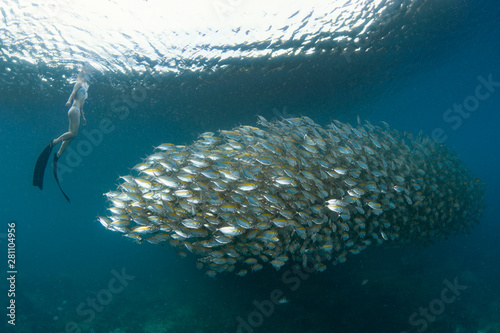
292	190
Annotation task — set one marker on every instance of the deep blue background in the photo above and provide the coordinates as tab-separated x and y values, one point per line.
64	255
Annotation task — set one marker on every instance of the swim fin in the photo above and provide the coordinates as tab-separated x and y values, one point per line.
41	165
54	168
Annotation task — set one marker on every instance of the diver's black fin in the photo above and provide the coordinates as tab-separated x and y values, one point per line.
54	168
41	164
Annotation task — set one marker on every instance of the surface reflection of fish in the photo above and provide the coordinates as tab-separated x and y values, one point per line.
293	190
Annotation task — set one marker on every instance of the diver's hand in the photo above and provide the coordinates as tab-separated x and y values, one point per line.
68	103
84	121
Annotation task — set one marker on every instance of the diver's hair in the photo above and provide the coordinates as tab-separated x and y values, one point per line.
84	75
85	72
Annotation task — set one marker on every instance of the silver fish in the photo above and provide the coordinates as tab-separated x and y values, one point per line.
250	196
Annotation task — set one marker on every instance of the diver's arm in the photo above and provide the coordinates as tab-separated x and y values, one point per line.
84	121
77	86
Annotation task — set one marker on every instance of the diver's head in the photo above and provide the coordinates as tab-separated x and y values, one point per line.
85	72
84	76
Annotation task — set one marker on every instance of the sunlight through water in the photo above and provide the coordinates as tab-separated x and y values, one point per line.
172	36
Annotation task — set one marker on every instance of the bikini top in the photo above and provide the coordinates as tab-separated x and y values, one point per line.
82	91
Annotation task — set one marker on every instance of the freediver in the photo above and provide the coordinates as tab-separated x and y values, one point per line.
75	112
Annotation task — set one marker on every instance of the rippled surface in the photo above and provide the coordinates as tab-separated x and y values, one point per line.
166	36
233	53
157	37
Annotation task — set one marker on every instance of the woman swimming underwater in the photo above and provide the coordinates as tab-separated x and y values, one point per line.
75	112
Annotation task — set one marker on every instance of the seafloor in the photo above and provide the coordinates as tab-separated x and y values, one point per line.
397	282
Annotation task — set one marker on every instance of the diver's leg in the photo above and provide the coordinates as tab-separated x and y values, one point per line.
63	147
66	138
74	122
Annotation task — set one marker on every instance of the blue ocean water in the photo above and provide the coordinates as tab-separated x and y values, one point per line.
75	276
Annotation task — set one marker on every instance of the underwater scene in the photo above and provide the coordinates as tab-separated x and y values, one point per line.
214	166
